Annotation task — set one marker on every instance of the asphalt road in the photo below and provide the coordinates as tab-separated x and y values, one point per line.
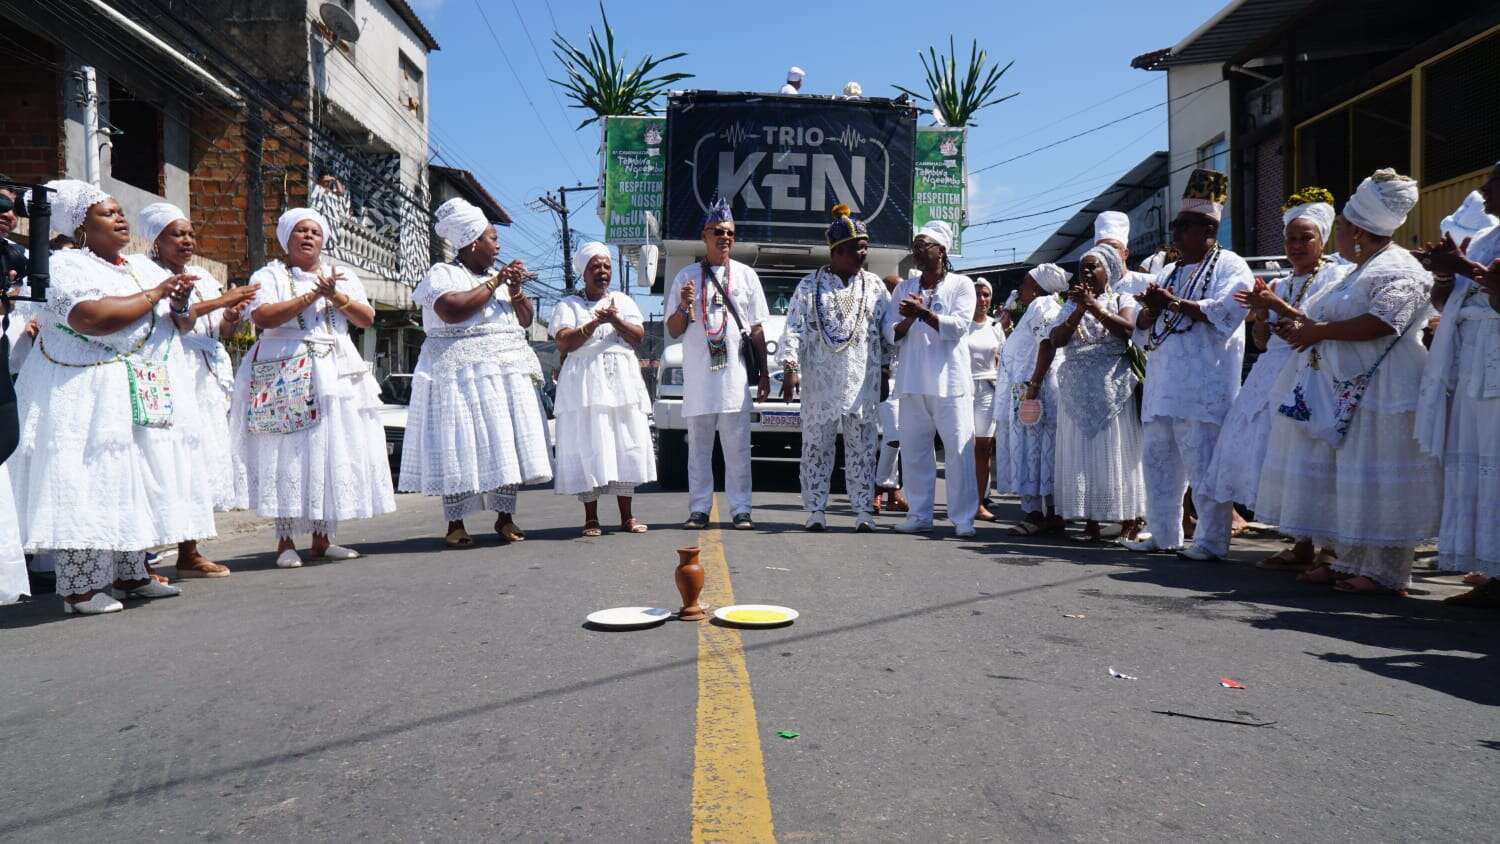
942	690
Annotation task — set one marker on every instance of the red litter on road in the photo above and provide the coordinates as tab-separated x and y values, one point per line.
1230	684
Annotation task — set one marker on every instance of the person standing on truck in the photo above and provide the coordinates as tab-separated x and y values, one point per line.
793	85
930	327
719	308
833	333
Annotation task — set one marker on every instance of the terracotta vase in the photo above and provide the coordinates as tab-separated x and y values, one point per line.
689	576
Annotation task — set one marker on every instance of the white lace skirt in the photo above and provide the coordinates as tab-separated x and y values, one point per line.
1234	473
13	580
1027	465
213	470
1469	539
1099	477
475	430
603	445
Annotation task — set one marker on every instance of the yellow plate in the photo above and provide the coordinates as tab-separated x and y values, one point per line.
755	615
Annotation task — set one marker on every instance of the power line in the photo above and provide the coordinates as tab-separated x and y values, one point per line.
550	88
522	87
1084	110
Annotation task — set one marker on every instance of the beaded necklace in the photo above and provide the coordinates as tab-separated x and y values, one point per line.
716	336
840	323
1172	322
1307	285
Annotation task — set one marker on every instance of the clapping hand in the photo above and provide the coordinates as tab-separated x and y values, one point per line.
911	307
176	288
327	286
1301	334
513	274
608	314
1447	257
1156	297
1259	298
1082	297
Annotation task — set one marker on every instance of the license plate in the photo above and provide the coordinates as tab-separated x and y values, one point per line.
781	419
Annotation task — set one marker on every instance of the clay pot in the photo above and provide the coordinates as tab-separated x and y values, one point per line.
689	577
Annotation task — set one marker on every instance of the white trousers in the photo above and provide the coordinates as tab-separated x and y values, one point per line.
952	419
888	471
734	438
860	443
1175	454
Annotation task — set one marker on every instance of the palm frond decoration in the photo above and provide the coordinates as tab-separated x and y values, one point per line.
598	82
956	99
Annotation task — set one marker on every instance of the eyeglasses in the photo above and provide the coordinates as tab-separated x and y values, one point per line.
719	231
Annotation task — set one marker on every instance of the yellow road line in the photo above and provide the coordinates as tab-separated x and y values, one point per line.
730	799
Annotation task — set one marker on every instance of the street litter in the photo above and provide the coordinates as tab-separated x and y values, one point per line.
1214	720
1074	615
777	568
788	734
1118	676
1230	684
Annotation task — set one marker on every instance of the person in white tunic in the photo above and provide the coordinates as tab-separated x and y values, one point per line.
1470	220
303	421
603	409
216	315
833	348
1027	469
1098	476
888	469
1458	412
1112	228
1234	473
1343	466
718	304
475	430
108	417
14	582
986	339
930	327
793	84
1192	329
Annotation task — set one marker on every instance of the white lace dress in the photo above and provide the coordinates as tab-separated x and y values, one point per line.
475	423
1098	474
1234	473
84	475
334	470
603	409
836	384
1027	467
213	384
1377	496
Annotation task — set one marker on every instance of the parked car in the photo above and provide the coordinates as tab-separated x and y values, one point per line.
395	395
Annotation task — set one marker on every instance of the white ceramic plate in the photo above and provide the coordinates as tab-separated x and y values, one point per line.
623	618
783	615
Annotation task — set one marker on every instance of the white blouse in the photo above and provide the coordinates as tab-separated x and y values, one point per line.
986	339
934	361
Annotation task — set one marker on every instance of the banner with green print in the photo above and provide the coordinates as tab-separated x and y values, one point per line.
939	189
634	178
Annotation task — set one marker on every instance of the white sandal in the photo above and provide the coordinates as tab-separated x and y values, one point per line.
288	559
98	605
338	552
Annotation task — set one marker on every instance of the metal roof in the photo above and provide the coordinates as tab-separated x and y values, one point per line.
1232	29
1150	175
465	183
404	10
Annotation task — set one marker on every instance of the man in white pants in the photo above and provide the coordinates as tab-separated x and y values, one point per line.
716	394
1194	335
929	324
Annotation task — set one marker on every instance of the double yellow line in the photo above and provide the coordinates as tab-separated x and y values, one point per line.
730	799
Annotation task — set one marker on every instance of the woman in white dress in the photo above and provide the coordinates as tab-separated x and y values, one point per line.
109	421
603	409
1234	473
475	430
1373	495
216	314
1028	469
1098	477
303	420
986	339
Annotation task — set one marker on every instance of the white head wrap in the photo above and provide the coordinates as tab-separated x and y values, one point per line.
71	200
1321	213
156	217
1051	277
853	89
289	220
459	222
1114	267
984	282
1010	301
1469	219
1381	202
1154	263
939	232
586	253
795	74
1112	225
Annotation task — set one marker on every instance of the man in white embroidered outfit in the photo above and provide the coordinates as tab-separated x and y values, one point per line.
1192	329
716	300
833	334
1112	228
929	324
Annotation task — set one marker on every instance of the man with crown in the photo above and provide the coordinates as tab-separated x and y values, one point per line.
832	346
1192	329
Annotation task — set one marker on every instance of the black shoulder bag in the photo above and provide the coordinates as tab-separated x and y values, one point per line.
747	350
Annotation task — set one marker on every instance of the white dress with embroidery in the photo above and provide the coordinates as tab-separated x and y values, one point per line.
837	383
603	409
84	475
475	422
336	469
1377	496
1027	465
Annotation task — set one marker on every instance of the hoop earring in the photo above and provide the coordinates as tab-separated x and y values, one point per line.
154	252
83	239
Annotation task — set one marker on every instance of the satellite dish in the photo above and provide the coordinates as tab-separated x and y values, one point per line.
339	22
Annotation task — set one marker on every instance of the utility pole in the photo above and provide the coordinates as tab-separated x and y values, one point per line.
559	207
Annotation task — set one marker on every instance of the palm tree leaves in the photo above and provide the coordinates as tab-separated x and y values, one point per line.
597	80
956	99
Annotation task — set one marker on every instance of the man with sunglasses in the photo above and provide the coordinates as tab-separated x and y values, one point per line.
715	302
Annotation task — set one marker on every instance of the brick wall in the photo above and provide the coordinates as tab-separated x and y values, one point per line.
31	147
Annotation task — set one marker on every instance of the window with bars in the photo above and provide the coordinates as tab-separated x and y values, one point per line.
1461	112
1341	148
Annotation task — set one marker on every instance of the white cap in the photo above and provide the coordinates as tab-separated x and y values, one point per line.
795	74
1112	225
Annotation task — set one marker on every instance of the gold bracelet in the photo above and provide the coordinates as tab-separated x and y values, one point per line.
348	300
149	300
493	284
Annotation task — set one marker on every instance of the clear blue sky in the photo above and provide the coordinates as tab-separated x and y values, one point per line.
1072	67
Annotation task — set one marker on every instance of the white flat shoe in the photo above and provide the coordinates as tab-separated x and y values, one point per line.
963	531
98	605
1146	544
288	559
338	552
864	523
914	526
816	522
152	590
1197	554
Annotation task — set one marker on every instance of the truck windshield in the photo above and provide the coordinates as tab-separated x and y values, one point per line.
779	289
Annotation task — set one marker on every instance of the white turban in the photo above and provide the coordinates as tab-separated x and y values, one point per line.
939	232
1321	214
1051	277
71	200
156	217
1114	268
985	283
289	220
586	253
795	74
1381	202
459	222
853	89
1112	225
1469	219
